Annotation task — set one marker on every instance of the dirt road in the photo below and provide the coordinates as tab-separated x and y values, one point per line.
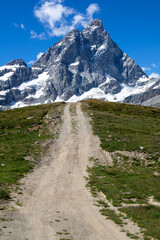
55	202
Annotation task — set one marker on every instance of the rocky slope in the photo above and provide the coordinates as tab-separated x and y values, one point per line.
84	64
150	97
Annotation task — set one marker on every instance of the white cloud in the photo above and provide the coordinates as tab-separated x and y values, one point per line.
59	19
146	68
51	12
92	9
39	55
78	19
40	36
22	26
153	65
19	25
154	75
15	25
33	34
31	62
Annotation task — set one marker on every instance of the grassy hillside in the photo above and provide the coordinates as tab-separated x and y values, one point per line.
132	135
22	132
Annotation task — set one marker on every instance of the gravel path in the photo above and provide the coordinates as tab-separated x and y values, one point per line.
56	205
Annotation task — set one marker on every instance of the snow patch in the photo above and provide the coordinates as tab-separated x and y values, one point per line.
59	44
126	91
37	95
37	83
58	99
18	105
143	79
92	93
124	56
158	86
57	60
102	47
93	47
10	67
108	79
90	28
4	92
6	76
74	64
36	68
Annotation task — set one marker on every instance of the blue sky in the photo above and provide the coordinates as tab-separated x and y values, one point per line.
29	27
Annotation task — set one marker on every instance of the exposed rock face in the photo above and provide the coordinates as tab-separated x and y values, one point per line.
13	74
151	97
80	62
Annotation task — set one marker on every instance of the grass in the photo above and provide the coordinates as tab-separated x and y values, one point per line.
111	215
21	133
73	109
126	127
125	186
59	233
132	236
73	114
65	238
131	179
150	220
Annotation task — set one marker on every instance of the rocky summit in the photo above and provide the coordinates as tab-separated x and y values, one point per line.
84	64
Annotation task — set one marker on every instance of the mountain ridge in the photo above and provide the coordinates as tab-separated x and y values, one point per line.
81	62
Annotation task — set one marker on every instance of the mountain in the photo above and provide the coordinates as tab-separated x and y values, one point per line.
149	97
84	64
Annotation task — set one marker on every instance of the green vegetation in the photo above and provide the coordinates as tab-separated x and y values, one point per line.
111	215
130	185
59	233
133	178
73	114
147	217
65	238
73	109
21	133
126	127
132	236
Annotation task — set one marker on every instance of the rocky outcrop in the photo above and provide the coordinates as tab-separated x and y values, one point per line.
150	97
13	74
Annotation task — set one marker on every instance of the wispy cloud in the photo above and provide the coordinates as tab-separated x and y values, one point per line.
31	62
22	26
40	36
150	68
146	68
59	19
15	25
19	26
39	55
92	9
154	65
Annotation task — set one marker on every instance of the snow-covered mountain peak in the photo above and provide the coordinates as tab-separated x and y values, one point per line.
96	23
19	62
84	64
8	73
95	28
